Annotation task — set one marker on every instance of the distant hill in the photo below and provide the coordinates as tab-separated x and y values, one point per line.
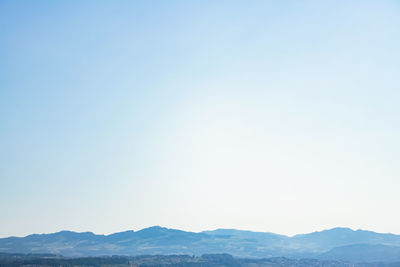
336	237
333	244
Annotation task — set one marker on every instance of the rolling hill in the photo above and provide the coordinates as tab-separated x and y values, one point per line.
333	244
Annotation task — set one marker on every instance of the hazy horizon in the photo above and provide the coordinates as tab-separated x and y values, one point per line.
272	116
201	231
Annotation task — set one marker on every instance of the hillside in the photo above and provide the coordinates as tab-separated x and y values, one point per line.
333	244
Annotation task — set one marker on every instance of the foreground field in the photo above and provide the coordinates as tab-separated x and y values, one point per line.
213	260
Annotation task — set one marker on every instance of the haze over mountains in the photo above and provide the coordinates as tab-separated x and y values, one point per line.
335	244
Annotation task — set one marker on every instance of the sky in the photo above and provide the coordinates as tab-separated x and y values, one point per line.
273	116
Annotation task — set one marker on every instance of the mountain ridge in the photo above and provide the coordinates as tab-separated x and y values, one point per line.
337	242
207	231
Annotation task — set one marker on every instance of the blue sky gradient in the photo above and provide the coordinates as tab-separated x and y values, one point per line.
278	116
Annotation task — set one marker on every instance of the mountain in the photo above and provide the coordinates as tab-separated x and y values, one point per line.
250	235
336	237
337	243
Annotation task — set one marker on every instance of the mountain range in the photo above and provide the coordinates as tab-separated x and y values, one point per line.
342	244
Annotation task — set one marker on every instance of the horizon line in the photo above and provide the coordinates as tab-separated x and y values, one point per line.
198	232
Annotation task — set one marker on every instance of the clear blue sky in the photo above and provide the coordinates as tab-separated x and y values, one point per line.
278	116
